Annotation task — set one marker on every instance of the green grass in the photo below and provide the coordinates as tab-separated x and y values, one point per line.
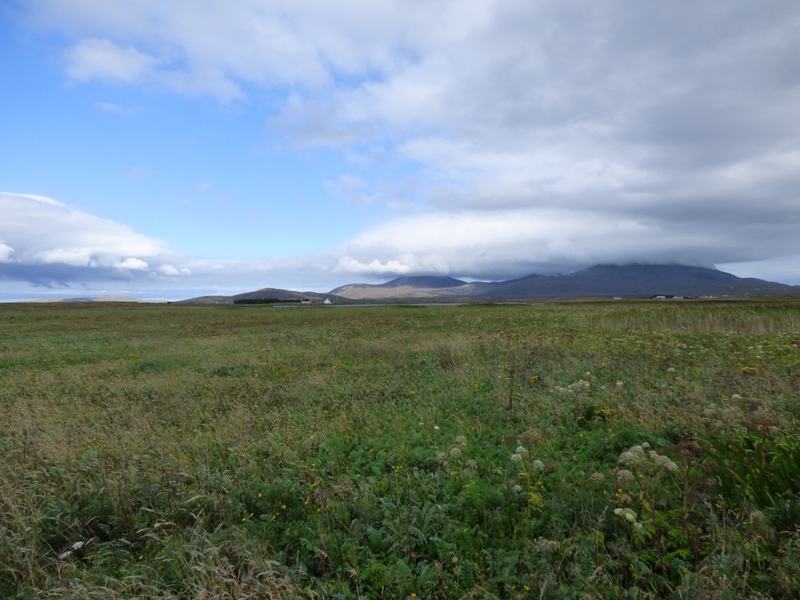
441	452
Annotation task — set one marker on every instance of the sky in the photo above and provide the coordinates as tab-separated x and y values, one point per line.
175	149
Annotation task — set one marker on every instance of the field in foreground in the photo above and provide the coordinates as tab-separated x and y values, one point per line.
577	450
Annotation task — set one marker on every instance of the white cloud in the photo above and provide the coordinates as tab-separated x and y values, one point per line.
548	134
172	271
44	231
351	266
5	252
352	189
132	264
55	245
117	109
103	59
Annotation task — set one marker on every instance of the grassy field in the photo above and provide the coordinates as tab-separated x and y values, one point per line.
574	450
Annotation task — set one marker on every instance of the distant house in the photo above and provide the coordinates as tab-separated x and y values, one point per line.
327	301
305	301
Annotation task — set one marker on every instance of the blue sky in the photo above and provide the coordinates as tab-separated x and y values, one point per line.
168	150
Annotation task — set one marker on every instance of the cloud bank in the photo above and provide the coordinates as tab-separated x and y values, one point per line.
540	136
53	249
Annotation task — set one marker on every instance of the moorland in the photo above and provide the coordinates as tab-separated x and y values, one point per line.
555	450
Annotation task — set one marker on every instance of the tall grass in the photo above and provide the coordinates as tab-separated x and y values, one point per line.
476	451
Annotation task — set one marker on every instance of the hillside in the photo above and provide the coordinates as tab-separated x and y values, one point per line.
600	281
263	294
595	282
640	280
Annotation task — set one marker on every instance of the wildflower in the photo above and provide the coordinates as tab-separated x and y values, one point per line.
517	488
635	456
533	378
521	450
436	427
626	513
538	465
516	457
581	383
670	370
461	440
76	547
597	477
665	462
625	499
455	452
736	397
471	464
498	508
624	476
545	546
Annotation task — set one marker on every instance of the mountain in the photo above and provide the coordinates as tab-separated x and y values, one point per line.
595	282
425	286
423	281
264	295
100	299
640	280
600	281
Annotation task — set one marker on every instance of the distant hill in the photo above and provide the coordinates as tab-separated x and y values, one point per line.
640	280
272	294
600	281
423	281
402	287
100	299
595	282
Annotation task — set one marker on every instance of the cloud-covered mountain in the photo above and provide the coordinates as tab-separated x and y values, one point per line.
594	282
265	295
473	140
54	249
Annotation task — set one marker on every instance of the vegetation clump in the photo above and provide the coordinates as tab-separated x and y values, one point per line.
576	450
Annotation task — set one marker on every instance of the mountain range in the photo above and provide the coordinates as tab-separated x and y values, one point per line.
600	281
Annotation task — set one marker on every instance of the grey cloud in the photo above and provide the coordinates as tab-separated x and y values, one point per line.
45	244
52	244
60	275
682	118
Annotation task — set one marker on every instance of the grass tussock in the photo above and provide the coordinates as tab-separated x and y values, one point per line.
577	450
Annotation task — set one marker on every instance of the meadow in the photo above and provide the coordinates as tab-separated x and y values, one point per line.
558	450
